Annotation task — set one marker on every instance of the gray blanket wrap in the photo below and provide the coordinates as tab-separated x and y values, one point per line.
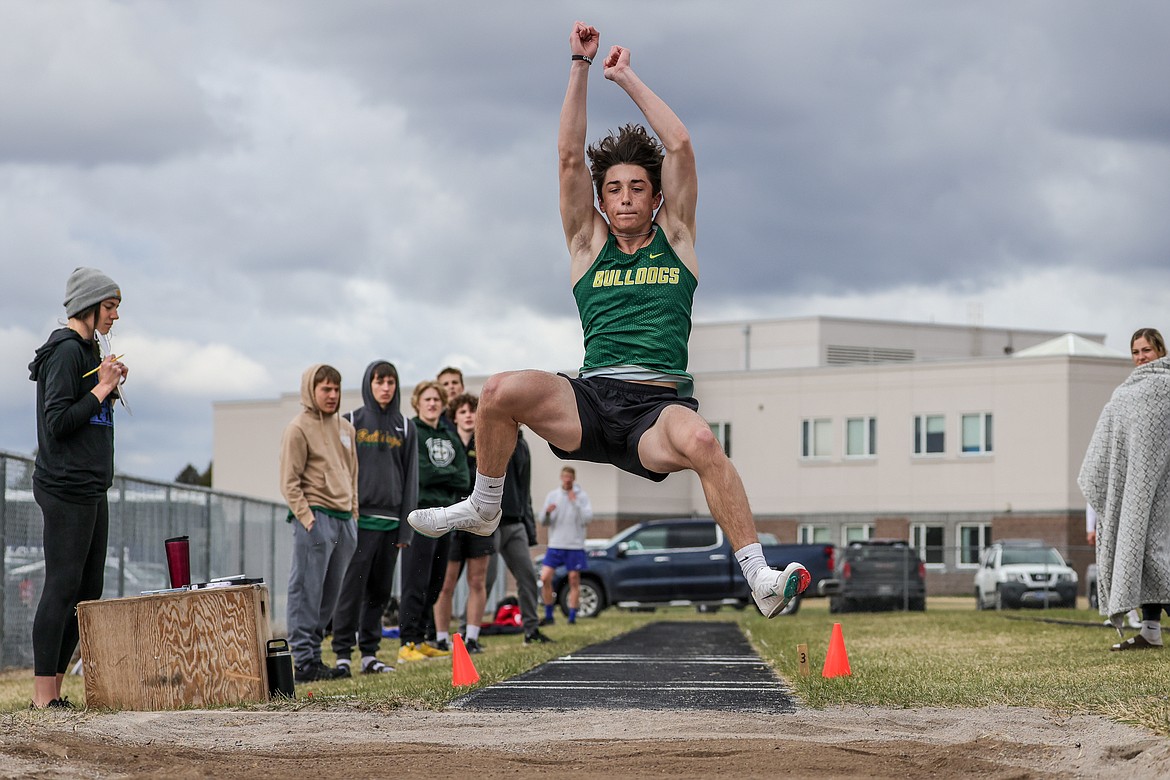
1126	480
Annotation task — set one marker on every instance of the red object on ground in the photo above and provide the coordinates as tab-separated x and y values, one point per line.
836	660
462	669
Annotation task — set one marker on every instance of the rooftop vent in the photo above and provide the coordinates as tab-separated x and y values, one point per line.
837	355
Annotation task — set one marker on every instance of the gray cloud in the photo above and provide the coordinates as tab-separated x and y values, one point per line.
276	184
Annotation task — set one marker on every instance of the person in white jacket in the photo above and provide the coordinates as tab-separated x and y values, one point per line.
567	512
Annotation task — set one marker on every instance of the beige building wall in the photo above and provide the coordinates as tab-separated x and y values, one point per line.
1043	410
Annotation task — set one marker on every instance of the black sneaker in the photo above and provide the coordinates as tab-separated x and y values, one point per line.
473	646
441	645
547	621
537	638
55	704
315	671
310	672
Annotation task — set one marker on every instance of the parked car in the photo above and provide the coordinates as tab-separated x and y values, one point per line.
1023	572
877	574
684	561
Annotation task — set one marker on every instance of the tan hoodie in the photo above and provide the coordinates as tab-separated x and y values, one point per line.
318	459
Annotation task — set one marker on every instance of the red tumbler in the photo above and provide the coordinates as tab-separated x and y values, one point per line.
179	561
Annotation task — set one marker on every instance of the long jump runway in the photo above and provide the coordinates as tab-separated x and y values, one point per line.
661	666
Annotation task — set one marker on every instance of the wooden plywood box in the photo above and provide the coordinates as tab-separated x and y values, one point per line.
170	650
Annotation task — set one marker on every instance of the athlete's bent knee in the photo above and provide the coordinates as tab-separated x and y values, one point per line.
494	390
698	444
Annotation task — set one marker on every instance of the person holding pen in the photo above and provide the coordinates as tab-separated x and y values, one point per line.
74	469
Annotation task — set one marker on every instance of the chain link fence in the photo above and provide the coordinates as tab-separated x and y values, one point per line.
229	534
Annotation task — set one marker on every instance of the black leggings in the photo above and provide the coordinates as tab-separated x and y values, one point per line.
424	565
75	562
1154	611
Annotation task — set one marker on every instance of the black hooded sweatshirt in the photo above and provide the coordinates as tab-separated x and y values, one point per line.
387	451
75	431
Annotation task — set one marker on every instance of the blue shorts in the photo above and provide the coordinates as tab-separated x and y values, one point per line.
572	560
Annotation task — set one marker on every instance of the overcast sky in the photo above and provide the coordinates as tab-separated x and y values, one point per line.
279	183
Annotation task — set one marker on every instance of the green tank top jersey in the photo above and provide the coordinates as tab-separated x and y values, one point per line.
636	309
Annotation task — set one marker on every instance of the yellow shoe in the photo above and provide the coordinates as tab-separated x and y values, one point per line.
432	651
408	653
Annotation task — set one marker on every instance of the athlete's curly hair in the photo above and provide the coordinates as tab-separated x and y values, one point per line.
631	145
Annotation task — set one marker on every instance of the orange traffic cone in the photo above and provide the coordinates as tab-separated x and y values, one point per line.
462	669
836	660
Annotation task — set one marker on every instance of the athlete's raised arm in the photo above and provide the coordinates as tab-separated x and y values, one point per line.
680	181
579	217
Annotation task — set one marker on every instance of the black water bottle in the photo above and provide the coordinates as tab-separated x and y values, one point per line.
280	669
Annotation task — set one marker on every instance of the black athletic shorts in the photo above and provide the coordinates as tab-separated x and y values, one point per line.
465	546
614	415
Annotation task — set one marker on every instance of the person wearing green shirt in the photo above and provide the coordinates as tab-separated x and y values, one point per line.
627	208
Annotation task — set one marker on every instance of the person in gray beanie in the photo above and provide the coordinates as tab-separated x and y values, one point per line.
86	288
74	469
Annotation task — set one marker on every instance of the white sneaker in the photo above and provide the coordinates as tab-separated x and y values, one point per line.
774	589
459	517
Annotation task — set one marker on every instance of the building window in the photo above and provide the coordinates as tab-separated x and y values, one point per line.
929	434
856	533
928	541
816	438
814	534
722	431
972	540
861	437
977	433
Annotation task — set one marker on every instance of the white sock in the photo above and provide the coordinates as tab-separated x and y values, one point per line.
343	662
751	560
487	495
473	632
367	660
1152	631
442	636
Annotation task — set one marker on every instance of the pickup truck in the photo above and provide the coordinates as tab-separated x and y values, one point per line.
877	574
679	562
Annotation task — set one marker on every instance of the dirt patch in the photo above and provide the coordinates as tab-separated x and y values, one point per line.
341	743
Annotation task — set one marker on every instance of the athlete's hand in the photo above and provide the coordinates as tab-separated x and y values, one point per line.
584	40
616	62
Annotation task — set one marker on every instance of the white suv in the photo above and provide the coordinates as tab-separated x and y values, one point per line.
1020	572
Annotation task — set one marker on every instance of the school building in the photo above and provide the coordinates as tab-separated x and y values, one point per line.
947	436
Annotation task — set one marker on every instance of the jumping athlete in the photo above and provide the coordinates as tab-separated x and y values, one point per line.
633	272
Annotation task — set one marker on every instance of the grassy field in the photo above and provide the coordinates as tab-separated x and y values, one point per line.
949	656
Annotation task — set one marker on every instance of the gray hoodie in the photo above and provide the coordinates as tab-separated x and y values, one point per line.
388	459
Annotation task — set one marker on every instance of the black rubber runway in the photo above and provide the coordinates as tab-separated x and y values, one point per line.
661	666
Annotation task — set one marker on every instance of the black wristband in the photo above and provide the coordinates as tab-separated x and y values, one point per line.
588	60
